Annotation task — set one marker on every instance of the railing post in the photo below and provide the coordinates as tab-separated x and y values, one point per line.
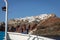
6	18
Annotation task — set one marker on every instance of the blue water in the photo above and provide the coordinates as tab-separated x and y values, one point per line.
2	34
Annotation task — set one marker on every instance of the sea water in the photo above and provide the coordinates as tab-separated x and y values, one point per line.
2	34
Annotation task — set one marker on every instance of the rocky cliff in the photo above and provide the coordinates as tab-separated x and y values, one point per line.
45	24
50	26
2	26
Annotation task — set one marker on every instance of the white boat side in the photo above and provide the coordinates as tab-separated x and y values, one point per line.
20	36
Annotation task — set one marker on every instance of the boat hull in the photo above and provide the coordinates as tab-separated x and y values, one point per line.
19	36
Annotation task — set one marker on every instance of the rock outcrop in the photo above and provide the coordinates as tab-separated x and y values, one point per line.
2	26
27	24
45	24
50	26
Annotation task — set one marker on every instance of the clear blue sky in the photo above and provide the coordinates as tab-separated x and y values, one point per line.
23	8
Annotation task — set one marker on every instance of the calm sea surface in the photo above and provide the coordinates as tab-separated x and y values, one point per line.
2	34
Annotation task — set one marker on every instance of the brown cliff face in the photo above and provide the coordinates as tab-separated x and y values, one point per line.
50	26
2	26
23	27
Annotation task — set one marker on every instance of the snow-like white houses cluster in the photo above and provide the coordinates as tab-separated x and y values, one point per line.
35	18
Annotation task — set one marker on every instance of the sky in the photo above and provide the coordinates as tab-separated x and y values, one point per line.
23	8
